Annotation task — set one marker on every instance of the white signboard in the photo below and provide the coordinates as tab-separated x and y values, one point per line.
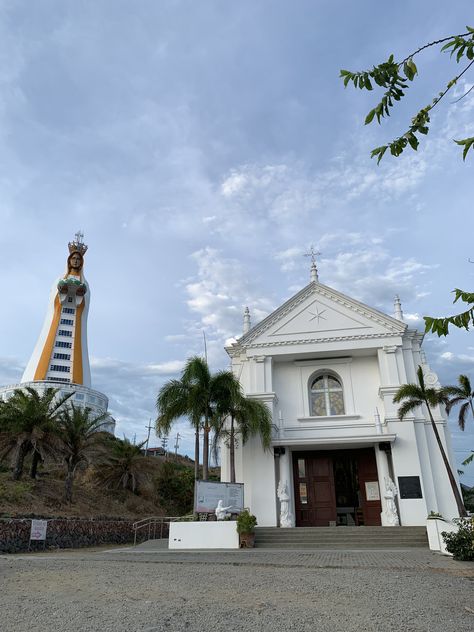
38	529
208	493
372	491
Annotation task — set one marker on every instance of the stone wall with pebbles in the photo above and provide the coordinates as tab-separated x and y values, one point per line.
64	533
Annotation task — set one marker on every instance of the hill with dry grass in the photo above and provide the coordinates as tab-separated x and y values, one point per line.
44	496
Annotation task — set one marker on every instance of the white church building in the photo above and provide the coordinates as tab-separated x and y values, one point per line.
328	367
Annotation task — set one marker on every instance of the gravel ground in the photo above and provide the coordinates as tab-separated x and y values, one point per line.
152	590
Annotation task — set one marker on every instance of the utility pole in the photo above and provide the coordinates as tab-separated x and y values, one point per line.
205	344
164	444
149	427
176	446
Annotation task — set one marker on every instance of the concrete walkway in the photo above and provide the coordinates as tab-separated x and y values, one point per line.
422	558
152	589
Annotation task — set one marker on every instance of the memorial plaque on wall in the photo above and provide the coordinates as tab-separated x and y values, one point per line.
409	487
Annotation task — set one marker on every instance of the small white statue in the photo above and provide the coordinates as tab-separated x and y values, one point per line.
286	519
391	513
222	512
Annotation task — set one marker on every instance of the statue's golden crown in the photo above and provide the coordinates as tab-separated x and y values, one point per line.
78	244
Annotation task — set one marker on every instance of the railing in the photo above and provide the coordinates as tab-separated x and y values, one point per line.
152	526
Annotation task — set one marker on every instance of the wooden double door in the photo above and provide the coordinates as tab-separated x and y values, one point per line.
336	488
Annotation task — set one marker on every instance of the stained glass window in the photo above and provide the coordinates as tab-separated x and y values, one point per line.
326	396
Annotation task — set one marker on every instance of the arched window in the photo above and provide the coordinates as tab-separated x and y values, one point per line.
326	396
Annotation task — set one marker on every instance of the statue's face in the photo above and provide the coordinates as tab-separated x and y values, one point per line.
75	261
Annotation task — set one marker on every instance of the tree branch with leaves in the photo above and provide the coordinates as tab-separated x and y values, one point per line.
394	78
464	320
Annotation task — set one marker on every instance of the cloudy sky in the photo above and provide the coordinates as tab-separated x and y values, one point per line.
203	147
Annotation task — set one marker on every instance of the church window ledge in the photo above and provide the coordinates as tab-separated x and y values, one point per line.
329	418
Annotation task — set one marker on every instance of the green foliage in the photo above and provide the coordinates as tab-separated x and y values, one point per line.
14	492
80	440
246	522
469	459
28	423
237	415
192	396
468	496
394	78
124	466
175	488
461	544
411	396
462	396
464	320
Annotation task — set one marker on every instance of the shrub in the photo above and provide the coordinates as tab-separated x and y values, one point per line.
461	544
246	522
14	491
175	488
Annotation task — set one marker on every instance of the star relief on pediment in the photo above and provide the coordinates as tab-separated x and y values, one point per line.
316	314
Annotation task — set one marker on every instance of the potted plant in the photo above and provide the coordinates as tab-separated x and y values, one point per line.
246	523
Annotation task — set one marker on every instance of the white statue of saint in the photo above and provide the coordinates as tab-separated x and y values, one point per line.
222	512
286	519
390	513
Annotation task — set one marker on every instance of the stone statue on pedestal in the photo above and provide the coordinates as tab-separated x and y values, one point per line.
286	519
391	513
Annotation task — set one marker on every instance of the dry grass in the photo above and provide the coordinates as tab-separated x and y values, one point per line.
45	497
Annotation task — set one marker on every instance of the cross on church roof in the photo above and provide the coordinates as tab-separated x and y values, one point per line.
314	270
312	253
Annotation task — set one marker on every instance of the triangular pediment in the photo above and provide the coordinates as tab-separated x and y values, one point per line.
318	313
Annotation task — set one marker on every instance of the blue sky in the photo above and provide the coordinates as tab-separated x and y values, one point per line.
202	147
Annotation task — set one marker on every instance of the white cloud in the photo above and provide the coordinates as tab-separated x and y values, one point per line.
460	358
218	295
289	258
413	319
374	275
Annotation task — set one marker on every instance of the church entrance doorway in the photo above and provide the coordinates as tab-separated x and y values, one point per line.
336	488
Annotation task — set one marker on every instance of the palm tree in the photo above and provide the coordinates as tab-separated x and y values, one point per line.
462	394
192	395
414	395
28	422
80	441
125	466
173	402
239	415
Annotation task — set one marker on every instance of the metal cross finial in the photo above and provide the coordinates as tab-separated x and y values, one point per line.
312	253
314	270
79	237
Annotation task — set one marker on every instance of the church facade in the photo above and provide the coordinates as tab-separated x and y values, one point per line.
328	367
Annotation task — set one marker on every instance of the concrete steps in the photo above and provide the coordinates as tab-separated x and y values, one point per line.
347	538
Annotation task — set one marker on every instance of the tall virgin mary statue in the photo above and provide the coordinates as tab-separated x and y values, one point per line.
60	359
61	353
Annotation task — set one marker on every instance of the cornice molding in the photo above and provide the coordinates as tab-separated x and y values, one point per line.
323	361
328	440
285	343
